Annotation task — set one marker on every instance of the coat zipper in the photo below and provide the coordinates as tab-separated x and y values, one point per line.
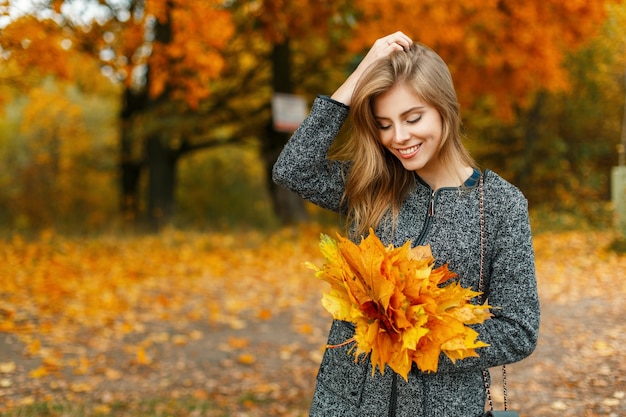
394	395
429	216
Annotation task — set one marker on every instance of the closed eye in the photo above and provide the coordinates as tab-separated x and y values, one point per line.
415	120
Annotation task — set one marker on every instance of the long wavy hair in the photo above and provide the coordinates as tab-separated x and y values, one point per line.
378	182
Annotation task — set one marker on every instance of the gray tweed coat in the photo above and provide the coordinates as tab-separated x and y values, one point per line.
345	388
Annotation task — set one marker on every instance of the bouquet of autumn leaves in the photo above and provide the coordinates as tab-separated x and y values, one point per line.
394	298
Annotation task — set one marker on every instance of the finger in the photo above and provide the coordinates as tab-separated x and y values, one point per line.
396	46
398	38
400	44
404	37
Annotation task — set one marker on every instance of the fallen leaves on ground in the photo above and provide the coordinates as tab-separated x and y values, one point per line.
237	319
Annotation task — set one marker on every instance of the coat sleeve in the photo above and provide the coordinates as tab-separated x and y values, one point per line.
303	165
510	286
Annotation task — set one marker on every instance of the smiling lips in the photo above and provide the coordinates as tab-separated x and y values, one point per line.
409	152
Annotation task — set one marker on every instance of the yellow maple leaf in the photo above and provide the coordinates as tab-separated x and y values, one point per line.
336	304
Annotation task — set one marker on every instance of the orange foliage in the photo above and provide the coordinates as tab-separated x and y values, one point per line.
37	45
504	49
282	19
56	179
192	58
180	65
498	50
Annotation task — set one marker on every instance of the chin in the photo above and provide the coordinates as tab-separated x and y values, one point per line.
410	166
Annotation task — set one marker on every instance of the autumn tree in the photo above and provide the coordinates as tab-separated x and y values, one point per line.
562	147
56	154
164	52
158	49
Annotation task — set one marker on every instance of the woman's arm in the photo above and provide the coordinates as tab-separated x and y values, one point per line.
511	288
510	285
303	165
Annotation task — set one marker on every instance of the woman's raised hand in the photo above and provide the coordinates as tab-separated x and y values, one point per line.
382	48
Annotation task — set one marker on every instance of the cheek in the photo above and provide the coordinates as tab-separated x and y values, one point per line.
434	129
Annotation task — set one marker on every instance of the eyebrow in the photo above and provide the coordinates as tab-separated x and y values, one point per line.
404	113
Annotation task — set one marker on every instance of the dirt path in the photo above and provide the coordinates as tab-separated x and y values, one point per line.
578	368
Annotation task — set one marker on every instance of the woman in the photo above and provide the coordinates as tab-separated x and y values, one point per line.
410	177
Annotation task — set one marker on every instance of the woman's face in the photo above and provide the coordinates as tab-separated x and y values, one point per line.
409	128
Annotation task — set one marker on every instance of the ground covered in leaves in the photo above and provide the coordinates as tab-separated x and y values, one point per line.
192	324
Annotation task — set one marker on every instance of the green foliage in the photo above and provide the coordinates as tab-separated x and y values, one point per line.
618	246
59	167
224	188
591	216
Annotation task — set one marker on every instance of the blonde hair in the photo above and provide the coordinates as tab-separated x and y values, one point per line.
377	182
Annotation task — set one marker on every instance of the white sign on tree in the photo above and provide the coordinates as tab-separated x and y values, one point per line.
288	111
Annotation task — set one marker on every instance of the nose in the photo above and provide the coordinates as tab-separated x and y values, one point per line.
401	133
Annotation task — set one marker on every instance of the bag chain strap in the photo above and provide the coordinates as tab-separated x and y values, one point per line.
480	288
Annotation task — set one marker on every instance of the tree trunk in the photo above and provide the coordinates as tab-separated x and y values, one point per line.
130	173
288	206
161	183
533	123
129	165
137	102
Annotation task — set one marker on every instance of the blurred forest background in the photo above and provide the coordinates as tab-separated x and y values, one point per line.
137	114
